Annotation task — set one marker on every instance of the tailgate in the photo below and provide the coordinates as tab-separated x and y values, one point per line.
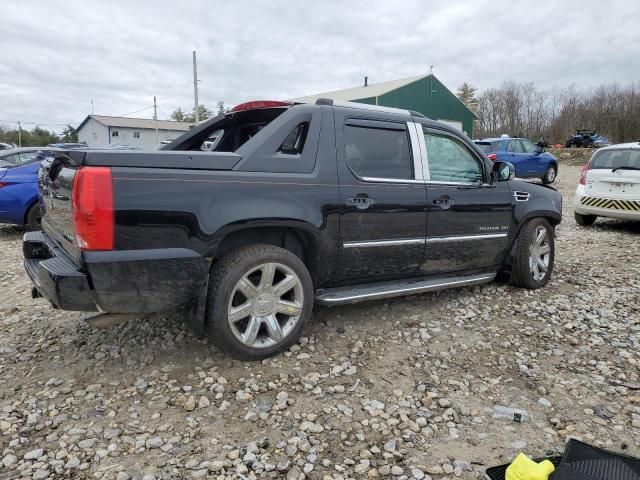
619	184
55	180
55	183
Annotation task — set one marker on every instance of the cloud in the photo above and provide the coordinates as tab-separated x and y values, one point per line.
58	56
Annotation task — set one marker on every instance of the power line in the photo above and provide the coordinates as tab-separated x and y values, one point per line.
37	123
137	111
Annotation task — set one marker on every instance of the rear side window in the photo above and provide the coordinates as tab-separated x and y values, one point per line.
451	161
611	159
294	143
515	146
378	153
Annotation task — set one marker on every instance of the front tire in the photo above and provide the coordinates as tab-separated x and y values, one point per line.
584	220
550	175
260	297
534	255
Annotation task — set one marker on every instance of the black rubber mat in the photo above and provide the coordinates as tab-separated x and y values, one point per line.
584	462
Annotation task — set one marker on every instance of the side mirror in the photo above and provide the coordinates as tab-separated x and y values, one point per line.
503	171
539	150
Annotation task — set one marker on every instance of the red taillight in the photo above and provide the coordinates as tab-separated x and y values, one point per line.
493	157
583	173
259	104
3	184
92	204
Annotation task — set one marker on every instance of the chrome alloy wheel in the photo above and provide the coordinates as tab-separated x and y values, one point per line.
265	305
551	174
539	254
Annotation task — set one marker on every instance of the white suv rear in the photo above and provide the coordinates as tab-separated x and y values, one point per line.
609	185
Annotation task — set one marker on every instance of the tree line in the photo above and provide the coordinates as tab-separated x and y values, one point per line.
204	113
36	137
522	109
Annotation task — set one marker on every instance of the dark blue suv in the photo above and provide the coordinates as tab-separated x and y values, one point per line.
529	160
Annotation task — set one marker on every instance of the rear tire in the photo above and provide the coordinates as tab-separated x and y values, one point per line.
33	218
260	297
550	175
584	220
534	255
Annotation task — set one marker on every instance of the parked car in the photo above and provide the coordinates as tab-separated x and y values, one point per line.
587	139
529	160
600	141
609	185
331	203
19	187
6	146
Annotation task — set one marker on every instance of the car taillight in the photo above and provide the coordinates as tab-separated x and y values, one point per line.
92	204
3	184
583	174
493	157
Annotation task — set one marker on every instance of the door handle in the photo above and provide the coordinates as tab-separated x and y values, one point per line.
360	202
444	202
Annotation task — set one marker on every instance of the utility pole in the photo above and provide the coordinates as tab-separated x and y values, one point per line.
19	135
155	119
195	88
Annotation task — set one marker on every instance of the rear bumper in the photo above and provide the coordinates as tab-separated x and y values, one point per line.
129	281
54	275
603	207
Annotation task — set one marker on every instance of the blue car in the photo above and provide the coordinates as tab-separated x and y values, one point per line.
529	160
19	187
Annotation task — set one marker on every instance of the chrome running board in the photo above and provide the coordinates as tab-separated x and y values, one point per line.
378	290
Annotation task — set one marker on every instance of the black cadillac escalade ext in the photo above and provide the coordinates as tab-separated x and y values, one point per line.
251	217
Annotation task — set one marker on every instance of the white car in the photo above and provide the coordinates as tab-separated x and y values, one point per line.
609	185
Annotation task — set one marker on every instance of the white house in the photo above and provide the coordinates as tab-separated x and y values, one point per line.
100	130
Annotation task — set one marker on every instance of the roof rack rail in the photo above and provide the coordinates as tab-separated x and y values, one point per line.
365	106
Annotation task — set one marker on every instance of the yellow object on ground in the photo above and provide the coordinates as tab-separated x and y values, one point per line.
523	468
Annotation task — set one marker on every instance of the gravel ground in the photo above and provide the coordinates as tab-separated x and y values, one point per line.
397	389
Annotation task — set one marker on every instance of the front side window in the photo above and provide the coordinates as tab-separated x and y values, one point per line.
528	147
378	153
451	161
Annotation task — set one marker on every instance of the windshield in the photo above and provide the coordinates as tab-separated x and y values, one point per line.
617	158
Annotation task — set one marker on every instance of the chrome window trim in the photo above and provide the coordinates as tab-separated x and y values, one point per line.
389	180
418	170
441	182
462	238
423	150
385	243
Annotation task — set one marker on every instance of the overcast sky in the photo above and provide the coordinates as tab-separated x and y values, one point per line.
58	56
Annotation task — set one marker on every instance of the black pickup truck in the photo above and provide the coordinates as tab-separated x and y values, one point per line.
253	216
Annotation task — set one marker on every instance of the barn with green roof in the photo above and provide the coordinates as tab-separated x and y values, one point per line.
423	93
